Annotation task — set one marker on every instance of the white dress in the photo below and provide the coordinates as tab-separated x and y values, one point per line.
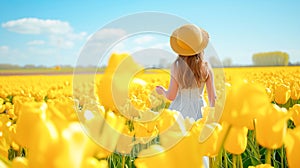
189	102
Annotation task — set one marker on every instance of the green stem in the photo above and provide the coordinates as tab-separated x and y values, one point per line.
282	156
123	161
240	161
233	161
268	156
218	160
225	159
254	140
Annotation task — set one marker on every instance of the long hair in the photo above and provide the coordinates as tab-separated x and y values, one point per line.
190	71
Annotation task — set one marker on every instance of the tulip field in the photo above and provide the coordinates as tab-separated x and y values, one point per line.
81	120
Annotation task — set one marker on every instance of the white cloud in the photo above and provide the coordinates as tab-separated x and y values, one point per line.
60	33
36	42
37	26
143	39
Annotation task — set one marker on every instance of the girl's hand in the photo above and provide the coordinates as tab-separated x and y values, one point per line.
160	90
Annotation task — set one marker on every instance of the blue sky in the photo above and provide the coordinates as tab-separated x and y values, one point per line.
54	32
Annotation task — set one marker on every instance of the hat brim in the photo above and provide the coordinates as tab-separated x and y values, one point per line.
177	48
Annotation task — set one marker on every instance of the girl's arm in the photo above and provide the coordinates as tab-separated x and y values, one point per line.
173	87
210	88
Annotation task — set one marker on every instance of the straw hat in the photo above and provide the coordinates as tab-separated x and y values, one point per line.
189	40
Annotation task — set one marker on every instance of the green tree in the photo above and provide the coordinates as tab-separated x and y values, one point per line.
276	58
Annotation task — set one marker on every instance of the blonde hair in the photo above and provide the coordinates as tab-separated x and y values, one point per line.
190	71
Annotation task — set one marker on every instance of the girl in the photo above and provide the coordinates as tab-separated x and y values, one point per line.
189	73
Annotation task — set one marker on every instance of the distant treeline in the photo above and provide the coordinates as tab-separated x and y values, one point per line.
29	66
32	66
276	58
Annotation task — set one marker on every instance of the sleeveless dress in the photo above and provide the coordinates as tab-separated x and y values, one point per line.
189	102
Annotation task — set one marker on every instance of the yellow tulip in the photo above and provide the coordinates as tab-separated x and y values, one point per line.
2	106
32	123
154	156
292	145
171	126
64	146
74	148
114	60
296	114
104	129
295	92
63	108
282	93
261	166
209	136
271	127
244	102
5	134
236	141
184	154
175	141
92	162
113	87
145	130
104	92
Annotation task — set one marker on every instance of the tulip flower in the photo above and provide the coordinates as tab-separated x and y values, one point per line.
64	145
171	126
282	93
261	166
105	129
65	105
296	114
236	141
138	93
5	134
74	148
196	143
210	136
292	145
271	127
244	102
154	156
295	92
183	154
32	123
2	106
92	162
113	88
